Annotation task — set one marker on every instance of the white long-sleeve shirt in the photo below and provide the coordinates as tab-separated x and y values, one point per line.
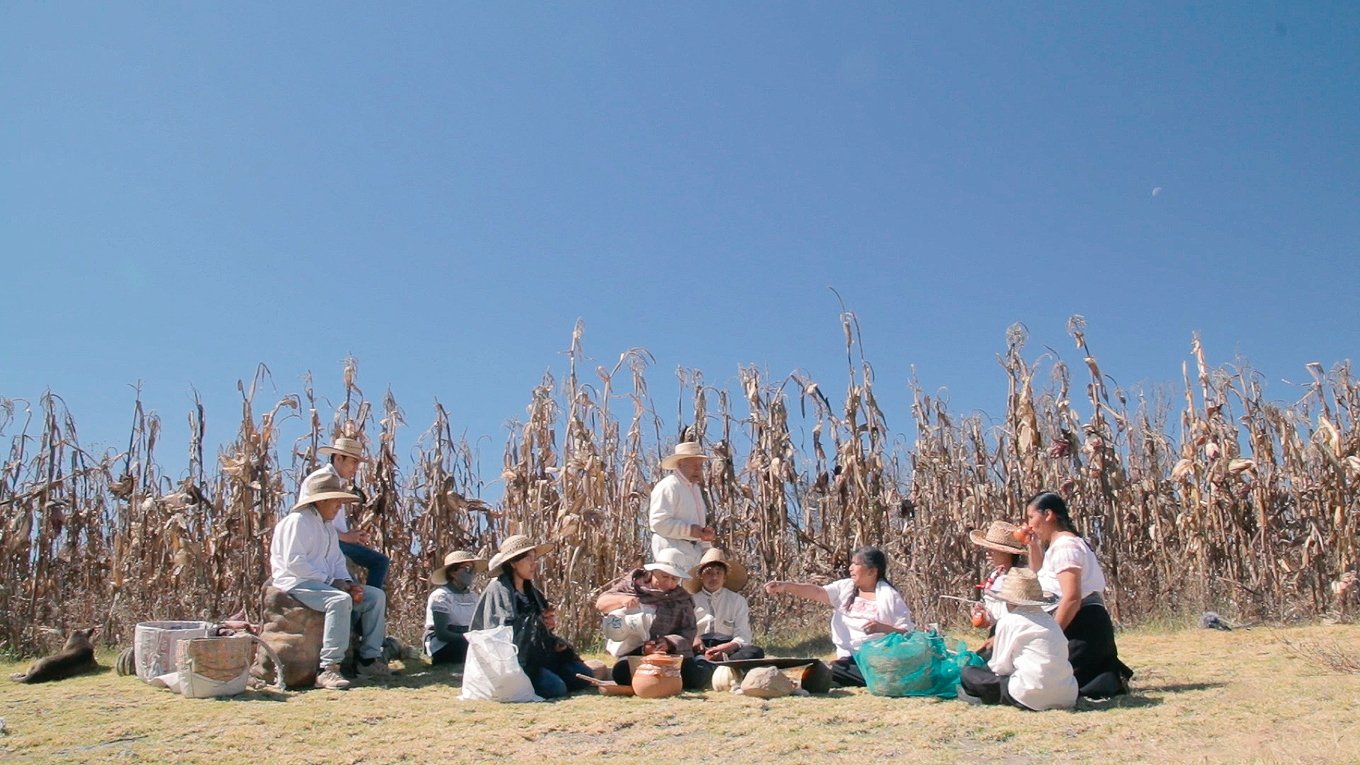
676	505
305	548
1030	647
724	612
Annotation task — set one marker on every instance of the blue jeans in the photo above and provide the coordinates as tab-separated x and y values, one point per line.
372	560
339	607
558	682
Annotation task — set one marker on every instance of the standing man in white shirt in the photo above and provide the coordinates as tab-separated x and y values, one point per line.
305	561
721	611
677	514
346	454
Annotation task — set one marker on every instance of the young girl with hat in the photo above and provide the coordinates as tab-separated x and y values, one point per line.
1028	668
449	609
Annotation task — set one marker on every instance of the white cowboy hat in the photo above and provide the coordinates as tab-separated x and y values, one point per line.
998	536
323	484
736	573
349	447
440	575
684	451
1021	588
626	631
671	561
514	547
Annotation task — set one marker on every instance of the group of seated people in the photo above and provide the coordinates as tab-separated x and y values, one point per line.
1051	636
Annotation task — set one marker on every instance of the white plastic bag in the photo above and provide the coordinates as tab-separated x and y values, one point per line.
492	671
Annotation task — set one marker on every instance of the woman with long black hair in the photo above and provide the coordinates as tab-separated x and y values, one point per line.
512	598
866	604
1068	570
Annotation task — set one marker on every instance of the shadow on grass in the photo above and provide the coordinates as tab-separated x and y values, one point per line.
1183	687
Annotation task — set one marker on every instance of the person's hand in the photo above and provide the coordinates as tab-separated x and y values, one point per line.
719	652
630	603
660	645
986	645
354	537
356	591
550	619
875	627
979	615
698	645
705	533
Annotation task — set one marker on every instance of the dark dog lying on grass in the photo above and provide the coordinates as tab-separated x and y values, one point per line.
76	658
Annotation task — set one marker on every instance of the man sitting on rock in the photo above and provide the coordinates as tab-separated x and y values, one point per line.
306	563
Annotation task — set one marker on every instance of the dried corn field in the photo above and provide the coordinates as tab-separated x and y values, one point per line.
1208	497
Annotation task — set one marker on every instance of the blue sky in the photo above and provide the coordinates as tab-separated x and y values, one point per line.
441	190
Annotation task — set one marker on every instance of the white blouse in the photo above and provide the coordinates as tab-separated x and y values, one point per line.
1067	553
847	623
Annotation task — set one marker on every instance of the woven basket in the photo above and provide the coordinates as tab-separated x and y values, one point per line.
154	649
217	666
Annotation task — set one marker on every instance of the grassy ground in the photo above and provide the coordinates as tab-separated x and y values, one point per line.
1199	696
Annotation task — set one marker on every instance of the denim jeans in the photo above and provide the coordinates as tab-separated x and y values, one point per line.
340	609
557	682
372	560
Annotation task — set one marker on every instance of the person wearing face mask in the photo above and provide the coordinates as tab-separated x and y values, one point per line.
450	607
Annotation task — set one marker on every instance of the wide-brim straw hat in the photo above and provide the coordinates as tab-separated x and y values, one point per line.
1021	588
349	447
683	451
736	573
999	536
323	484
515	546
670	561
441	575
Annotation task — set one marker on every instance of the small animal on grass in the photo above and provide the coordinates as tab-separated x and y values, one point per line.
75	658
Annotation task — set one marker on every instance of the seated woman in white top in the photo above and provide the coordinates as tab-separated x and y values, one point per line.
866	605
1003	549
1029	667
449	609
1069	571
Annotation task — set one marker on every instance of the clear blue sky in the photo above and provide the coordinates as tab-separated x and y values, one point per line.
441	189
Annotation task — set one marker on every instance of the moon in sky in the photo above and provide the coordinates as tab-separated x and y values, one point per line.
1156	190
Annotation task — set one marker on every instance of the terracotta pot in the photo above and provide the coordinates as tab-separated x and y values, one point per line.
657	675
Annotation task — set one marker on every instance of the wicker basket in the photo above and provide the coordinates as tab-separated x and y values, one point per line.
154	649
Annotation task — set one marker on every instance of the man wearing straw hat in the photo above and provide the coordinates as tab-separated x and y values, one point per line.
449	609
305	562
346	455
678	514
723	616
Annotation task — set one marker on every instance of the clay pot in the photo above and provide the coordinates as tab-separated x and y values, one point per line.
657	675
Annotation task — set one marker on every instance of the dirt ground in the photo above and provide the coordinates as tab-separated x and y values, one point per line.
1199	696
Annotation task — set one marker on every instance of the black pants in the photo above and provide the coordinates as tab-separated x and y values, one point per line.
693	675
1093	655
451	653
846	672
988	686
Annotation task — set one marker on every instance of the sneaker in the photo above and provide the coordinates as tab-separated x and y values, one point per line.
331	679
374	668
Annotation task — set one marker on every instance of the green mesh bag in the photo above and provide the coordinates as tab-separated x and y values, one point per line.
913	664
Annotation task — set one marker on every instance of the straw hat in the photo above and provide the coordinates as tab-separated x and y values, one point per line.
323	484
736	573
349	447
440	575
1021	588
515	546
998	536
684	451
671	561
626	631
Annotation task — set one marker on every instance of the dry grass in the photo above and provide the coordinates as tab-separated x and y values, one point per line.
1200	696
